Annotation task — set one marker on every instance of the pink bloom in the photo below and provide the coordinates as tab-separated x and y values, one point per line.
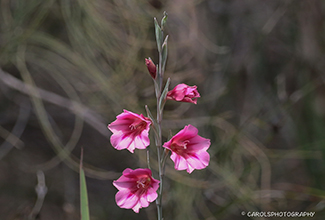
130	131
136	188
189	150
184	93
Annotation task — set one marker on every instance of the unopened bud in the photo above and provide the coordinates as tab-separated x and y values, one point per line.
151	67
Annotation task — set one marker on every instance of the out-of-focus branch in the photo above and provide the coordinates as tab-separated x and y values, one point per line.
41	191
12	138
90	117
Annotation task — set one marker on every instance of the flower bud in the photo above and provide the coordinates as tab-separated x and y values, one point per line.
151	67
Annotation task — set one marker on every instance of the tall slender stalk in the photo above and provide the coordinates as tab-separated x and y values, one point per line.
159	148
157	74
159	139
161	98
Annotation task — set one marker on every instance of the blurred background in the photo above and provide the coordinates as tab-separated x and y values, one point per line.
68	67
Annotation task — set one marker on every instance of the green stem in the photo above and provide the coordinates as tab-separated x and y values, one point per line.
159	140
160	104
148	158
160	77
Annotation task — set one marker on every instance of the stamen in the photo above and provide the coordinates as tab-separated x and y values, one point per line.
143	183
180	148
185	144
140	184
138	125
132	127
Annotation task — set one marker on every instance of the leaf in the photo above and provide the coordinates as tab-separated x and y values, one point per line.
162	99
164	20
154	123
170	135
157	82
84	208
149	115
164	55
159	35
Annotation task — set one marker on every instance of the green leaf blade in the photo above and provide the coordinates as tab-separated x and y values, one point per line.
84	206
164	55
159	35
164	21
162	99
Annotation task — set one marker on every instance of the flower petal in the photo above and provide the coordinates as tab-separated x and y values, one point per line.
123	183
137	207
143	201
198	144
199	161
187	133
189	168
126	199
180	162
140	142
137	172
120	142
151	194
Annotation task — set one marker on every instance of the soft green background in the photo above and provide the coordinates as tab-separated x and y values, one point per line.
259	67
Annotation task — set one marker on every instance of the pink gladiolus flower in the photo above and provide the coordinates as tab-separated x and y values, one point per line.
137	188
189	150
130	131
184	93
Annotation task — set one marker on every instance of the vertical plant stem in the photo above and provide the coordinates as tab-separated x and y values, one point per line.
159	139
159	142
160	75
160	95
148	159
